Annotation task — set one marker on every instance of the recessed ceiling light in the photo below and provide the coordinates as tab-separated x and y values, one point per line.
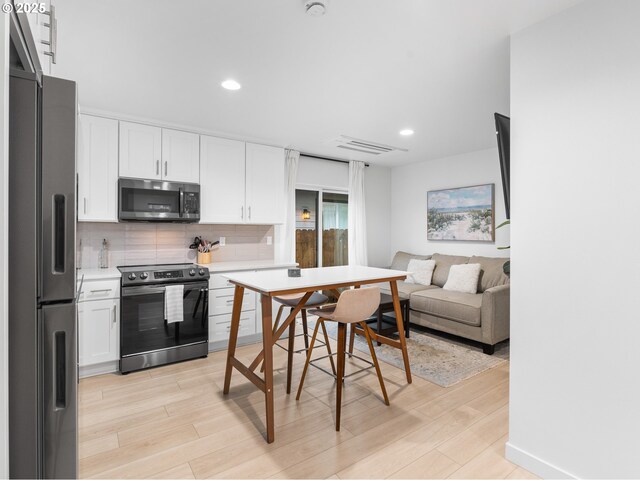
406	132
231	85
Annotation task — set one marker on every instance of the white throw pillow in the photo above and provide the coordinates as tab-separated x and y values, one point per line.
463	278
420	271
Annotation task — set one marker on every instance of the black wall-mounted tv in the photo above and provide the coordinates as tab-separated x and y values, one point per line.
504	149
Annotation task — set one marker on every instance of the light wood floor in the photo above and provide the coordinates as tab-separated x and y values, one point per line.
174	422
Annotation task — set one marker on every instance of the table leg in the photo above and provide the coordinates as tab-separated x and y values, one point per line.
400	324
267	345
406	319
233	335
291	346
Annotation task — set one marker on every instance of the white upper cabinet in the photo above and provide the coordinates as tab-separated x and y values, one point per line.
140	151
264	184
222	180
97	169
180	156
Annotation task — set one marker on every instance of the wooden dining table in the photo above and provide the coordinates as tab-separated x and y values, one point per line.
274	283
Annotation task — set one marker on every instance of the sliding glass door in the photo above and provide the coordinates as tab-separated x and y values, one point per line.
321	228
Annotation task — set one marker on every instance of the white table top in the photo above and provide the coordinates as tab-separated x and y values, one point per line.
271	281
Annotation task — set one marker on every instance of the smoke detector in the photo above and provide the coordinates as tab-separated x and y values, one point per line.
316	8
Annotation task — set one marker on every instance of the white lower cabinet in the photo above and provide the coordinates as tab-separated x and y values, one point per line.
99	331
221	294
220	326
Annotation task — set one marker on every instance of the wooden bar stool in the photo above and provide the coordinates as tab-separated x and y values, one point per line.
316	300
353	307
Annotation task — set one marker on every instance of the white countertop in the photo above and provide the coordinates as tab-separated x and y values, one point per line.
98	273
221	267
215	267
315	278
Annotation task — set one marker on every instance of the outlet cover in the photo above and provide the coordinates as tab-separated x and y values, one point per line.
269	240
223	241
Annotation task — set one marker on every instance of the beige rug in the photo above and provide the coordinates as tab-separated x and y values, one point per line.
441	361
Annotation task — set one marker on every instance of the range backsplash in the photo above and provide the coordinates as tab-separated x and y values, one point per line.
153	243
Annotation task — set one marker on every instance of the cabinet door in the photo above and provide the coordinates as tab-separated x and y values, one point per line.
222	187
140	151
99	332
180	156
264	184
98	169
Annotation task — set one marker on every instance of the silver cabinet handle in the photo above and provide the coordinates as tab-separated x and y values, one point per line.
242	212
85	205
249	212
114	314
101	290
165	168
157	167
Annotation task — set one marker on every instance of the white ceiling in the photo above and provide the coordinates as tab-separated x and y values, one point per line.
366	69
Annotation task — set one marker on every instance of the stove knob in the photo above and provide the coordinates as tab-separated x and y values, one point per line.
192	272
201	271
144	275
132	276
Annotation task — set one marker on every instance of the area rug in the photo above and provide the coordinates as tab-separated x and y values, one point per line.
438	360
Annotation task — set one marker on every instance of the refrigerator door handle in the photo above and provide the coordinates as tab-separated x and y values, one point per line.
59	228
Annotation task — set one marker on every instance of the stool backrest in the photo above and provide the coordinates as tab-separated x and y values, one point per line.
356	305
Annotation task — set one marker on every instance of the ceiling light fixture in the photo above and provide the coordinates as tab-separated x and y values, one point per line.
406	132
231	85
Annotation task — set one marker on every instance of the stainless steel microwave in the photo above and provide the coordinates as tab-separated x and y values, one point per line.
156	201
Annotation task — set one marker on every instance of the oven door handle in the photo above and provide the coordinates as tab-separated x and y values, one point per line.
181	202
143	290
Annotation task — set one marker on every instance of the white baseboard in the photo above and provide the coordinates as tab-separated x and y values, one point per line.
534	464
99	369
217	346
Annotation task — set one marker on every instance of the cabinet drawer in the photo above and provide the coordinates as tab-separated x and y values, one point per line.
99	290
221	301
220	326
219	281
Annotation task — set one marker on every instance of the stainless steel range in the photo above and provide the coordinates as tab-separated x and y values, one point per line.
147	338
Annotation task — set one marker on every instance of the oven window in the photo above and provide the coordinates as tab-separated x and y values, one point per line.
140	200
144	329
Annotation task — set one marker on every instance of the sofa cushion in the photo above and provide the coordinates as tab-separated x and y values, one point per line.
457	306
404	289
443	264
420	271
463	278
401	260
491	273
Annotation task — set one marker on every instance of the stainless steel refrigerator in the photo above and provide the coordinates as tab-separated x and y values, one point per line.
43	366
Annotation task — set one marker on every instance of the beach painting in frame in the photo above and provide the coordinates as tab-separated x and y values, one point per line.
465	213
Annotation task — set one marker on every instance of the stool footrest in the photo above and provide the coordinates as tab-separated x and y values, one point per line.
368	362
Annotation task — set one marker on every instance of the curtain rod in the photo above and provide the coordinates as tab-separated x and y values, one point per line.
329	159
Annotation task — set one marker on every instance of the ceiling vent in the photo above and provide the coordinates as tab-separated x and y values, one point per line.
365	146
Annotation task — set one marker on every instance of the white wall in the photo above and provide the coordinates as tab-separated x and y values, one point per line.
409	187
575	321
4	219
316	172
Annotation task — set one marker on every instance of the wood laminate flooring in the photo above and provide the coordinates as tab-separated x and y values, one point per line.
174	422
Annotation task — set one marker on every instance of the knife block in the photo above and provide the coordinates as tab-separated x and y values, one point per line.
204	258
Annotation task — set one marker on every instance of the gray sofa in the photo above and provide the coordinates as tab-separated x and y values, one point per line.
483	317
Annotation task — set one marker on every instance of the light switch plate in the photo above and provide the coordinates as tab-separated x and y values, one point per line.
223	241
269	240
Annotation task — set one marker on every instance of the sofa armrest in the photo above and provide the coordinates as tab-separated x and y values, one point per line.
495	314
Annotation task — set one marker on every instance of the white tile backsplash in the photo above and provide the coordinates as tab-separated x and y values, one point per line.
150	243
